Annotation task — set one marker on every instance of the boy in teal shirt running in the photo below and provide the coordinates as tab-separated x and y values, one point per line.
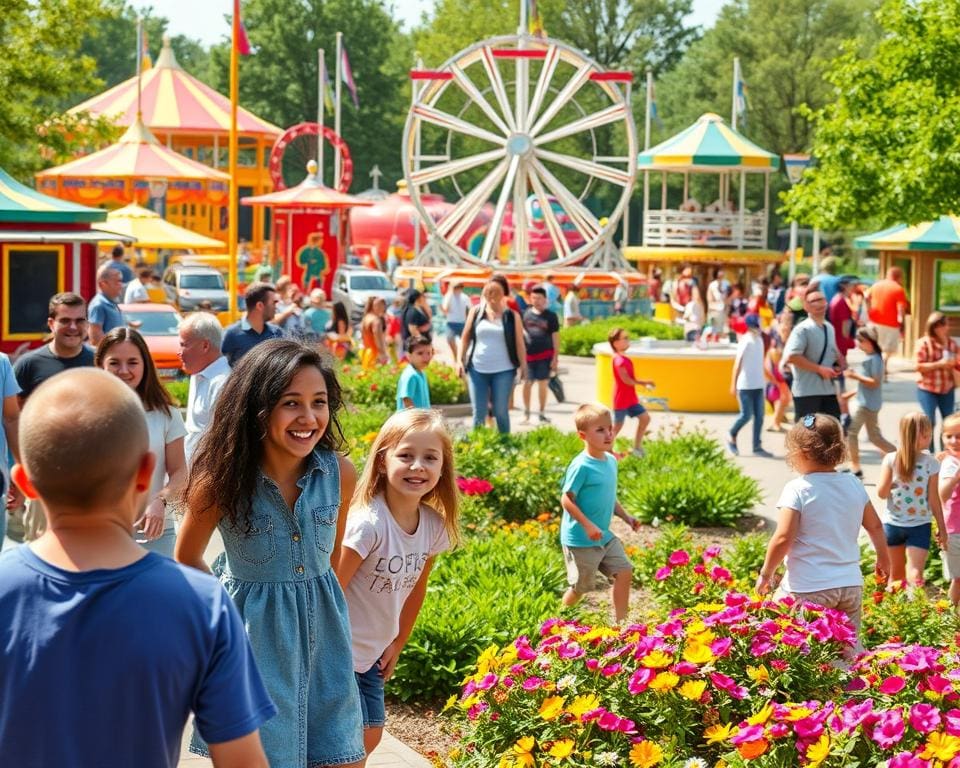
412	388
589	501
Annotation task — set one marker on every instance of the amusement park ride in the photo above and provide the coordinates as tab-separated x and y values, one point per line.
519	155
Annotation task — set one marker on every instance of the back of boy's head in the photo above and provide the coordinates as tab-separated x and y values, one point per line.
614	333
415	342
816	437
83	434
539	290
951	421
587	414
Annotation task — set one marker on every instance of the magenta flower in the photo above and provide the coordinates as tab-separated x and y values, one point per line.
853	715
893	684
532	683
477	709
762	645
487	682
570	650
889	729
745	735
611	722
907	760
721	647
924	717
699	569
679	557
952	722
663	573
808	728
611	670
939	684
685	668
639	680
473	486
711	552
717	573
918	659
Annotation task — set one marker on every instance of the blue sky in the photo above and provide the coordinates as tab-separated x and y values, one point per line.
204	20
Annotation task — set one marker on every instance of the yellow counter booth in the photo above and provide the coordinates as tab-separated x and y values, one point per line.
689	378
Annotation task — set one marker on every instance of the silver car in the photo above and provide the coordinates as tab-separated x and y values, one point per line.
354	285
187	286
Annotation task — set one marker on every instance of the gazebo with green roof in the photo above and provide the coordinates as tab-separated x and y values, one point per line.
46	246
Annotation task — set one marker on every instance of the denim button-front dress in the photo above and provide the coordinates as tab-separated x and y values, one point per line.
280	577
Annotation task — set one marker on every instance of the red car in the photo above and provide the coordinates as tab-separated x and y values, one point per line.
159	325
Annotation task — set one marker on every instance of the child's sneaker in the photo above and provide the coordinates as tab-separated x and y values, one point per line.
638	452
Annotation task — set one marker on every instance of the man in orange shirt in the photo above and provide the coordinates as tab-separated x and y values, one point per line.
887	305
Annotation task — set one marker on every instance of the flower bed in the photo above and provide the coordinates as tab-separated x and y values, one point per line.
378	386
579	339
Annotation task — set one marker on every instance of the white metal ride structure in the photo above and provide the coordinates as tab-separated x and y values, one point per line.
519	131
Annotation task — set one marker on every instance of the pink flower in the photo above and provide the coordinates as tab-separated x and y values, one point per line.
744	735
780	665
808	728
663	573
728	684
711	552
892	685
477	709
639	680
907	760
854	714
939	684
952	722
889	729
762	645
570	650
611	670
532	683
679	557
924	717
718	573
918	659
685	668
721	647
488	682
473	486
611	722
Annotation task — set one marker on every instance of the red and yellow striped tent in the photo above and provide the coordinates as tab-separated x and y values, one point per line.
131	170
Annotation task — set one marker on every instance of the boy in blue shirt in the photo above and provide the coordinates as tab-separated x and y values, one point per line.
412	388
113	644
589	502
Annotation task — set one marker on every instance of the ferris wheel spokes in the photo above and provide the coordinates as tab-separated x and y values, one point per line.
492	240
611	114
568	91
586	167
543	82
454	225
467	85
497	84
450	122
581	216
453	167
549	217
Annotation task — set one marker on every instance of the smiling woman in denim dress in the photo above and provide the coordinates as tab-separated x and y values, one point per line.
267	475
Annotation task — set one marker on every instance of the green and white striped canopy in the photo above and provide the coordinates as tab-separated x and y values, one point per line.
19	203
940	235
709	144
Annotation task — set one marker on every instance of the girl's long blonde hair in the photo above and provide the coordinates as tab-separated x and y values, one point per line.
444	497
911	425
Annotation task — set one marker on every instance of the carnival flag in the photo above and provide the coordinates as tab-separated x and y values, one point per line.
145	61
739	93
346	74
534	22
327	87
242	41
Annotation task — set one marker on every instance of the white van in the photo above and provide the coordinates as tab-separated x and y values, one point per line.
354	285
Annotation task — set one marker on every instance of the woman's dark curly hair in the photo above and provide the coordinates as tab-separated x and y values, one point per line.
226	465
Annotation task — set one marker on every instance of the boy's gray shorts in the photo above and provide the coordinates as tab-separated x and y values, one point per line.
584	562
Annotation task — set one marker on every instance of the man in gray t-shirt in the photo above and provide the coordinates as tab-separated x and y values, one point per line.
811	352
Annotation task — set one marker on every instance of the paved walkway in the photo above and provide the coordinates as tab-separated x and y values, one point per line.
772	473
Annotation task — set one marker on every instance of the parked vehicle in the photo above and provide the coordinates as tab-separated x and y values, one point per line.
186	286
159	325
354	285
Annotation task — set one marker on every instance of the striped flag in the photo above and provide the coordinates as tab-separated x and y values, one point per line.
740	93
327	88
346	74
654	112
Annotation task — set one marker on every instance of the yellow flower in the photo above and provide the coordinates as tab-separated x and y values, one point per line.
645	754
820	751
718	733
657	660
664	682
583	704
762	716
486	662
758	674
941	746
523	751
693	689
562	749
551	707
450	702
798	713
598	633
697	654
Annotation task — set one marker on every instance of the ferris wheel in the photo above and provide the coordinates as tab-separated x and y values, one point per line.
533	142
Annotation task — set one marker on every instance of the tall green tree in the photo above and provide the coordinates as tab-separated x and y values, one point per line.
112	41
628	34
785	48
279	81
887	148
40	64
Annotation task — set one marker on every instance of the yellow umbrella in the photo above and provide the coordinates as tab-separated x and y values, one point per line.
151	231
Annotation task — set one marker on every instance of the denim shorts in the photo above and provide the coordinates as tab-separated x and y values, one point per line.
454	330
911	535
370	684
539	370
620	415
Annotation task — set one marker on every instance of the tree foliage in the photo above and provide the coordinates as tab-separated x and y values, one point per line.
888	146
627	34
279	81
40	65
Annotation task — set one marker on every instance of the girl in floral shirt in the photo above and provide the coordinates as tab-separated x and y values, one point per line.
908	481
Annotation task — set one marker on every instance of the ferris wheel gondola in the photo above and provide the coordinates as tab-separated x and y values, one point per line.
531	131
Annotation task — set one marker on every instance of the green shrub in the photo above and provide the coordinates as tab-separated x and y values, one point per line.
360	426
579	339
686	479
179	390
378	386
490	590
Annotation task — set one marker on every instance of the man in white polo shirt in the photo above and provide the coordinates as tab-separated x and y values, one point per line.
200	339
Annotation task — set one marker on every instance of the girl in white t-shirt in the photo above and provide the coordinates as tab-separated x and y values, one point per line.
821	513
404	513
908	481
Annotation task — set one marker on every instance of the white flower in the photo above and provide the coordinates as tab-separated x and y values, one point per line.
695	762
607	758
566	681
655	522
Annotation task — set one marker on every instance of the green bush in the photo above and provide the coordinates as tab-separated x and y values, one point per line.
179	390
378	386
579	339
686	479
490	590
